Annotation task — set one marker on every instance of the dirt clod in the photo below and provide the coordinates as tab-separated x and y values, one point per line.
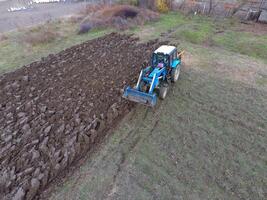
19	194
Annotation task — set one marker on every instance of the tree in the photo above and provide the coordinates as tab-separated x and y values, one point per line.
210	7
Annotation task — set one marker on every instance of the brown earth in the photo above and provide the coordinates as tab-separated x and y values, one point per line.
54	110
253	27
121	17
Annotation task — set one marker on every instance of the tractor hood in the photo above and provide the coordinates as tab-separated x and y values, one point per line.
155	71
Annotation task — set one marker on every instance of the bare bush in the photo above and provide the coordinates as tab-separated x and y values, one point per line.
118	16
84	28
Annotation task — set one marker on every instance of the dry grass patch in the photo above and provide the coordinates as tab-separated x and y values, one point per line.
41	34
3	37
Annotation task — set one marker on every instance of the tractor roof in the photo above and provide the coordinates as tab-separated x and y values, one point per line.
165	49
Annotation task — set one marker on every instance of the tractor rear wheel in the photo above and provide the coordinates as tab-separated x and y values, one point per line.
163	90
175	73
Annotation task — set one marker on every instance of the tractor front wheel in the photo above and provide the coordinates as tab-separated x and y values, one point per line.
175	73
163	90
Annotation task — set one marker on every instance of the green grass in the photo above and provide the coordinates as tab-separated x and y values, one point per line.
168	21
15	52
203	30
195	29
200	30
243	42
153	30
262	81
196	33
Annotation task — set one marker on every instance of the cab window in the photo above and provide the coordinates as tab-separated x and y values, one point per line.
171	59
160	58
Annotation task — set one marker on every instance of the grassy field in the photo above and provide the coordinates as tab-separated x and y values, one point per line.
207	140
202	30
18	49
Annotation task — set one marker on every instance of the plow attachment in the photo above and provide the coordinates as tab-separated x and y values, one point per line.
140	97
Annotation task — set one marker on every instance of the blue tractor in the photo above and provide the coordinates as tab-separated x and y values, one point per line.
154	80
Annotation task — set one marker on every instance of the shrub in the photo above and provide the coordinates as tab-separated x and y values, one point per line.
84	28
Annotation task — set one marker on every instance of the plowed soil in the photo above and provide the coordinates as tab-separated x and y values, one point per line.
54	110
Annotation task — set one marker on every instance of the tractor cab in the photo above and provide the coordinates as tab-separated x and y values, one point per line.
164	56
159	60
